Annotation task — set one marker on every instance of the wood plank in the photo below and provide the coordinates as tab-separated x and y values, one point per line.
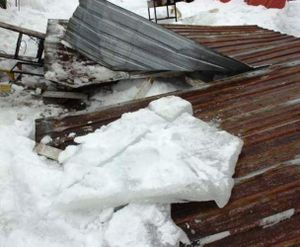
22	30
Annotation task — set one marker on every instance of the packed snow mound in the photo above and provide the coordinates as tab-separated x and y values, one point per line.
136	225
289	19
157	154
238	12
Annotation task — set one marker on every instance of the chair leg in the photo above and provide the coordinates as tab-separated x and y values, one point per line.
168	11
175	10
149	14
155	11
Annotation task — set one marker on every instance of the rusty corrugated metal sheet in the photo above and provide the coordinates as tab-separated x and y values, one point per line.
252	45
121	40
263	108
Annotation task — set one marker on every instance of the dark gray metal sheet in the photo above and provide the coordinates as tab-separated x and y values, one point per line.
79	71
122	40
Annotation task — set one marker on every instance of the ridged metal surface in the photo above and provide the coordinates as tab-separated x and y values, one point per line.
263	108
122	40
252	45
57	55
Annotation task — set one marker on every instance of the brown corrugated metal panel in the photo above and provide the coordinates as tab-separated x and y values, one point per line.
263	108
249	44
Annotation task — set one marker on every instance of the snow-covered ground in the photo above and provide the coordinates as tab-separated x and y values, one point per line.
29	183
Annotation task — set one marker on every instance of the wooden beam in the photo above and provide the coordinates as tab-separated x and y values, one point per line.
22	30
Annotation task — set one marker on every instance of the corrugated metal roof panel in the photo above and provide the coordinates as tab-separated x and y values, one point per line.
121	40
78	70
252	45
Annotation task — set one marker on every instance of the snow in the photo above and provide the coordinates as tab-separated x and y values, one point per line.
235	12
170	108
131	160
157	154
153	223
129	90
276	218
213	238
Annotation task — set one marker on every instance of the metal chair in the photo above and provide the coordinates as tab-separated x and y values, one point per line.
161	3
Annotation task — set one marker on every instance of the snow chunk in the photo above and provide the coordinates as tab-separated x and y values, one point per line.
143	158
151	225
170	107
46	139
106	143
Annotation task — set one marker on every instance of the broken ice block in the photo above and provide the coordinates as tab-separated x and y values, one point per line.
170	107
183	160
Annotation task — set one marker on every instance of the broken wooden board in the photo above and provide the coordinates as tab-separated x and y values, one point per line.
64	95
70	100
25	31
47	151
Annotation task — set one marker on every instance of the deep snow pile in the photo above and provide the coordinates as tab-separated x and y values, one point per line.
158	154
288	21
237	12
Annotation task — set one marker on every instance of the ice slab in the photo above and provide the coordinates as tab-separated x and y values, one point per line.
108	142
166	156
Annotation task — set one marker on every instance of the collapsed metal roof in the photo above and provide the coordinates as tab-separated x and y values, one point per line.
263	108
121	40
78	70
253	45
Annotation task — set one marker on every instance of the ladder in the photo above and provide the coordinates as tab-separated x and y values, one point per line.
36	60
30	33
